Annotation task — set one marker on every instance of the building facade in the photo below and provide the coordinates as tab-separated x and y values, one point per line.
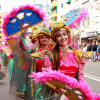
1	21
44	4
89	27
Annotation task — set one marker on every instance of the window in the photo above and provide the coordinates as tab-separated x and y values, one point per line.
62	5
95	0
68	1
53	0
53	9
47	8
39	5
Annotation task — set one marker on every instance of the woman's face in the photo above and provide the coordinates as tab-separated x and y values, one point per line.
62	38
35	41
44	40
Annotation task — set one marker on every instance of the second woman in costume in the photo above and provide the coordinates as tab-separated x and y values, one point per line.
27	65
62	57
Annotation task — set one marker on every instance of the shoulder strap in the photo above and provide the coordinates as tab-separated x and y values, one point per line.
78	56
51	57
36	49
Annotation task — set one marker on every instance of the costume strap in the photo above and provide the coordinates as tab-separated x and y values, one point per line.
50	56
79	55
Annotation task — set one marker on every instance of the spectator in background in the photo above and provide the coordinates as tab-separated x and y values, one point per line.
89	47
94	51
98	50
85	48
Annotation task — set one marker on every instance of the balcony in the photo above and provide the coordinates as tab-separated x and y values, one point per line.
52	15
54	4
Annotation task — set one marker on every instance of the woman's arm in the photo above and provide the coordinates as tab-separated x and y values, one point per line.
26	46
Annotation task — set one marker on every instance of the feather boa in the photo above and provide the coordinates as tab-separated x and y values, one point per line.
77	22
69	81
14	12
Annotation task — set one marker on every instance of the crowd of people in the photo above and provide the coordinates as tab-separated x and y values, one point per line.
94	47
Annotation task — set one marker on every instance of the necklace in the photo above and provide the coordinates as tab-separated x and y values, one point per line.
64	50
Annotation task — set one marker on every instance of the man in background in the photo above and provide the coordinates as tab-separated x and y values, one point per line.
94	51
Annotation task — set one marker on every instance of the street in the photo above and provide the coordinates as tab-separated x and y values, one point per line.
91	72
5	87
4	90
92	75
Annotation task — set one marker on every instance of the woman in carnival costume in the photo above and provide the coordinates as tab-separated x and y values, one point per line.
43	38
61	35
21	65
34	91
4	60
4	56
62	57
2	74
33	36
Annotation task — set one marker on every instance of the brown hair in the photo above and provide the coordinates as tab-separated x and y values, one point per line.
56	58
56	55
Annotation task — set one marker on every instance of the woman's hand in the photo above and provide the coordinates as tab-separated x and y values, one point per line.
60	91
46	63
24	33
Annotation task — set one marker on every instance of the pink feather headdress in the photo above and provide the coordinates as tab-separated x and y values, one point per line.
14	12
77	21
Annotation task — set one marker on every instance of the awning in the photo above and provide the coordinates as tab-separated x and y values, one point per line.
89	34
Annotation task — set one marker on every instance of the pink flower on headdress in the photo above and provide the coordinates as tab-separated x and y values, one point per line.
13	13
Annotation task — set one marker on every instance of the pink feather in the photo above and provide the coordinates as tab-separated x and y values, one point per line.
69	81
79	19
14	11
